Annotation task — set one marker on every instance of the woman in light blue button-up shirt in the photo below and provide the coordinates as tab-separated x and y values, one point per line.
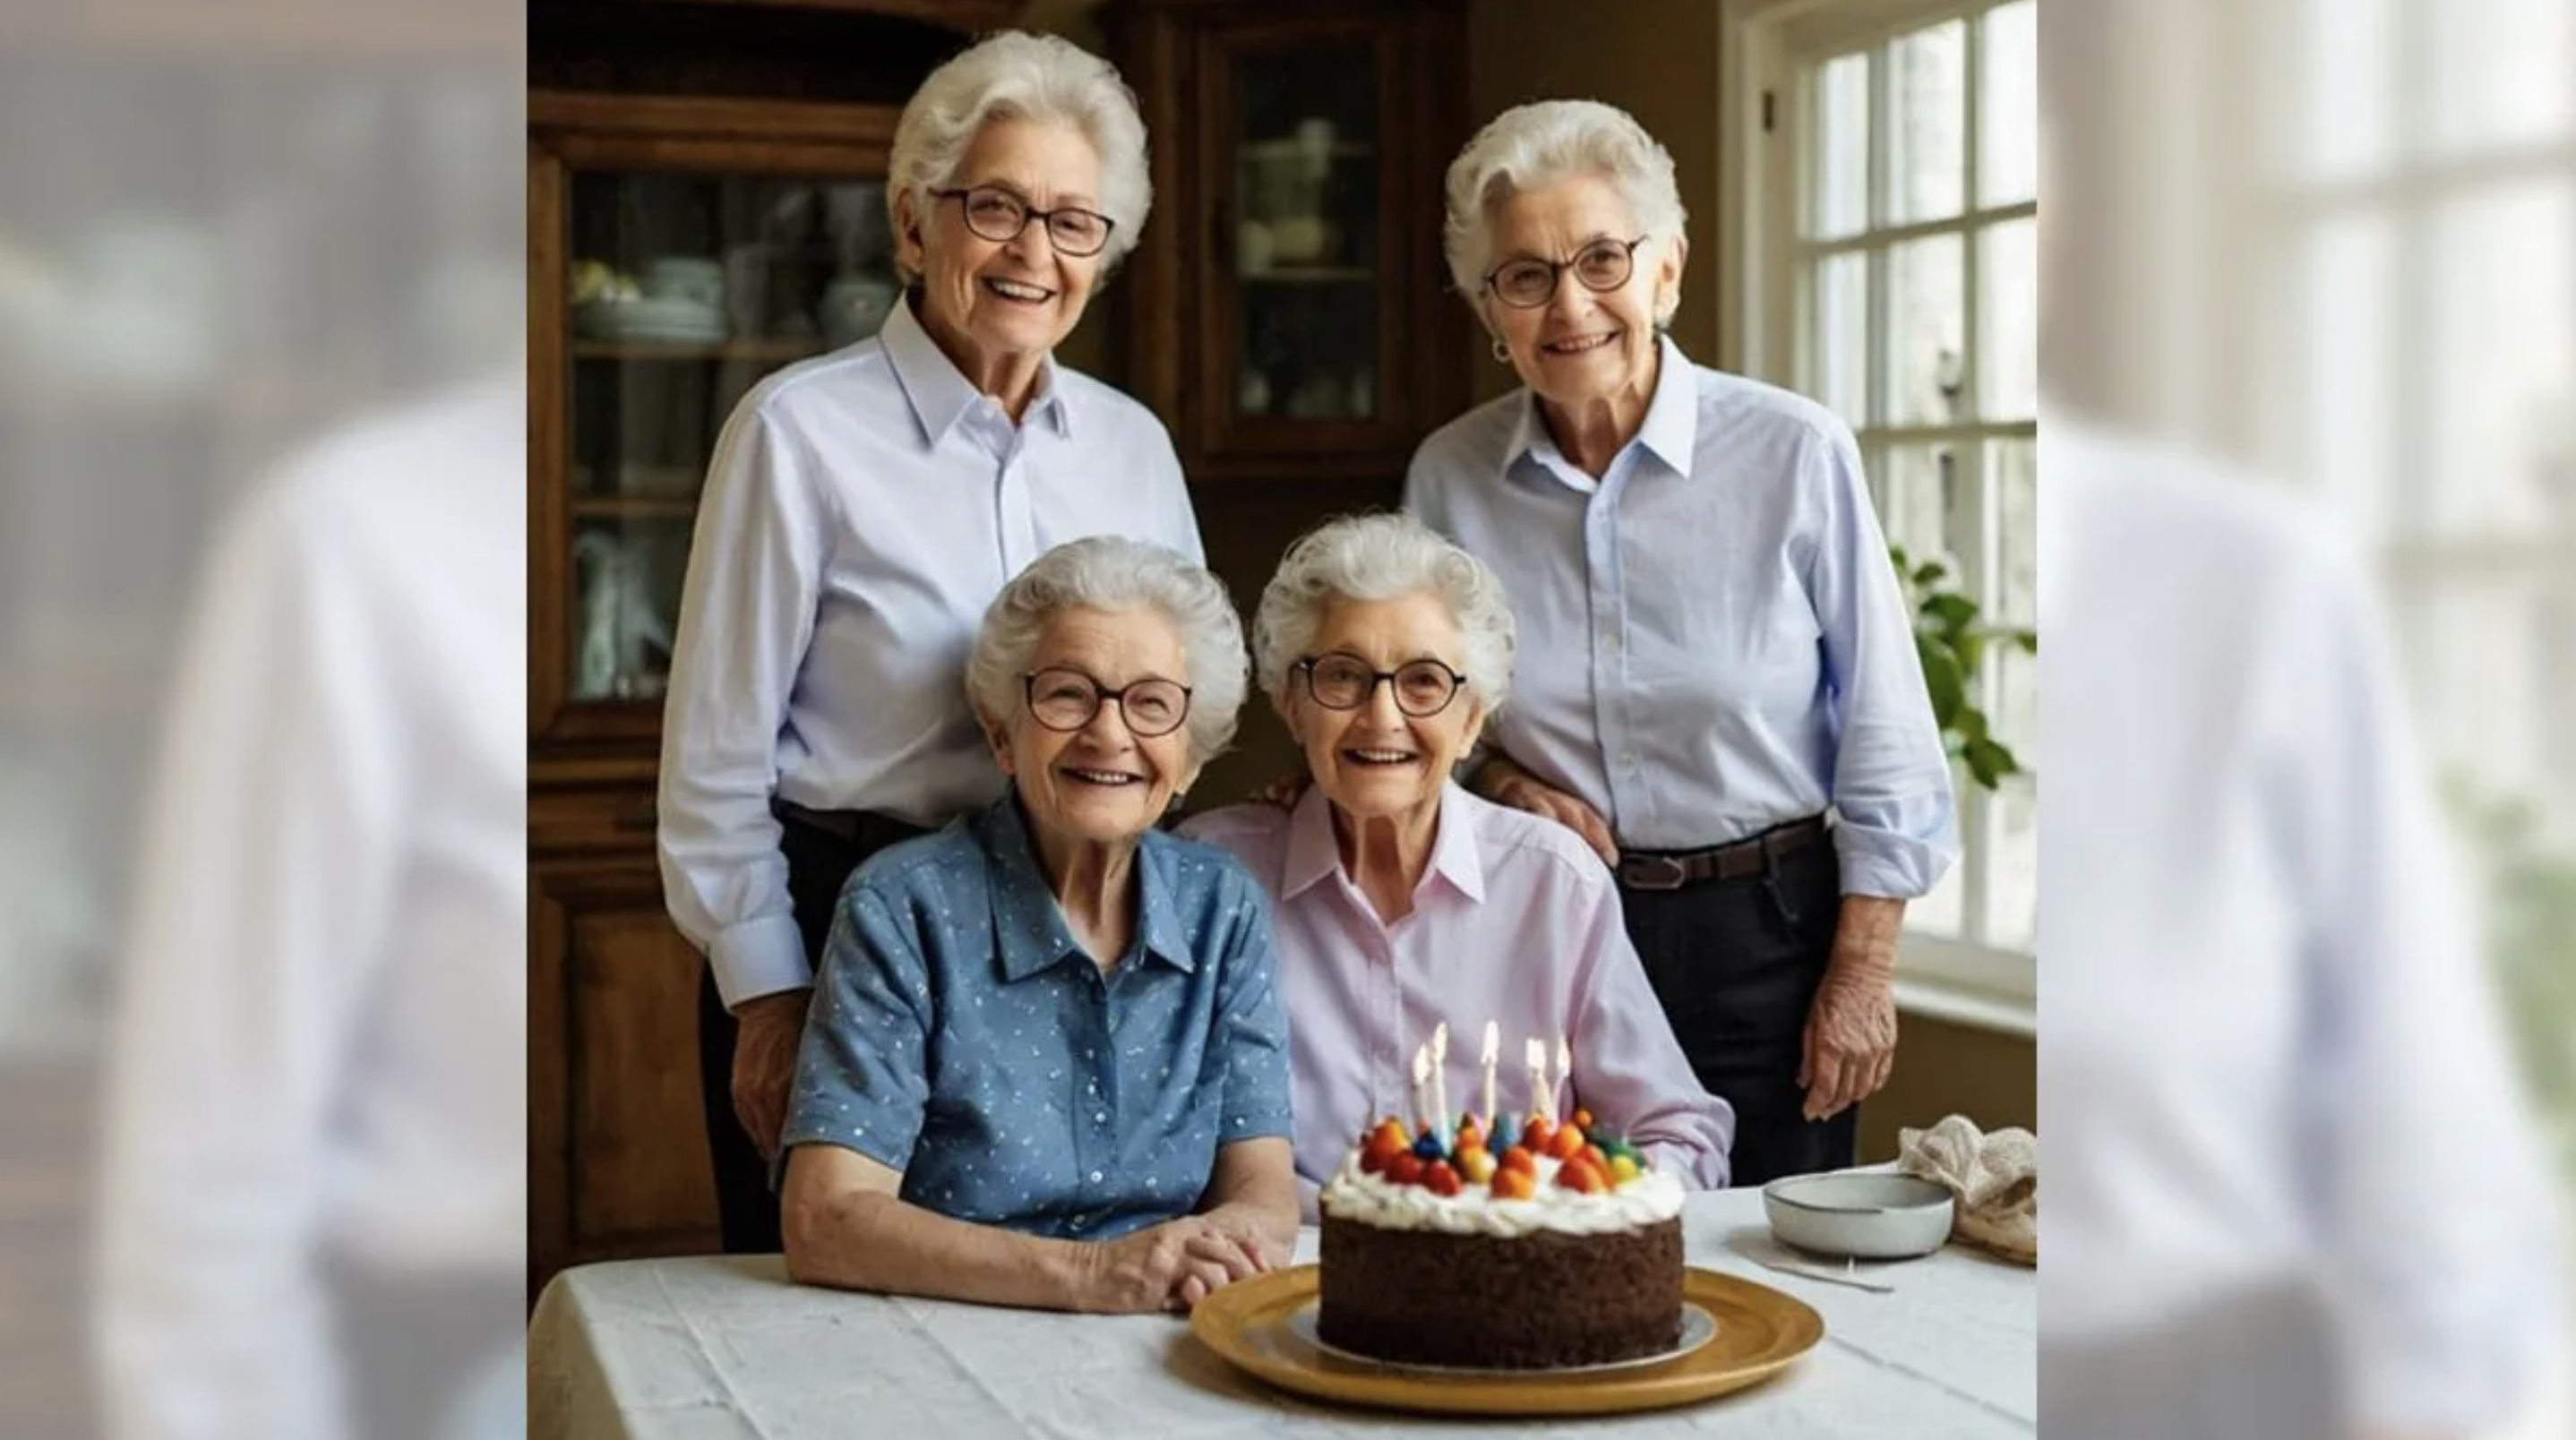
860	512
1046	1063
1718	686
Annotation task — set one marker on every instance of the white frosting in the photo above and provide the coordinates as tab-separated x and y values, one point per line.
1356	1195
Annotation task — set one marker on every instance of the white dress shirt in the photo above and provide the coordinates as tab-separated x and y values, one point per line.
1712	640
861	511
2270	1049
320	1035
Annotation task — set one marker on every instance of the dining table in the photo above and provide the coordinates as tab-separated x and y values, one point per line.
728	1348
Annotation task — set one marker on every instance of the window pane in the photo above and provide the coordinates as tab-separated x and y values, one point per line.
1938	912
1927	123
2501	363
1926	366
1838	165
2347	53
2008	328
2008	137
1838	336
2012	873
2499	70
1914	484
2015	469
2347	281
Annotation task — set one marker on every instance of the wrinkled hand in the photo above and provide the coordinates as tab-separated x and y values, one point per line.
1506	783
1284	792
764	1064
1850	1042
1172	1266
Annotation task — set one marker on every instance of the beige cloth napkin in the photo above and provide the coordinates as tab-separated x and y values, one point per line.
1995	1179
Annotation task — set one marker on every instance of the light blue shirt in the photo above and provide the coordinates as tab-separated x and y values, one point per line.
1712	639
961	1035
861	511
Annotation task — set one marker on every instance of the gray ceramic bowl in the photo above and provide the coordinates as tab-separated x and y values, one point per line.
1870	1215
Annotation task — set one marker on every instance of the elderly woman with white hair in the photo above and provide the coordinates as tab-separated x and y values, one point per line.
1046	1063
1403	902
1722	694
861	510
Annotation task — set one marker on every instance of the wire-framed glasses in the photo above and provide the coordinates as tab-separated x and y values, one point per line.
1065	700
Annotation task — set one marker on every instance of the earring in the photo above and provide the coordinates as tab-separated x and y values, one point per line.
1500	354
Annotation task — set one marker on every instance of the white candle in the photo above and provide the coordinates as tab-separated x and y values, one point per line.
1440	1083
1564	1077
1421	1075
1493	1047
1540	1101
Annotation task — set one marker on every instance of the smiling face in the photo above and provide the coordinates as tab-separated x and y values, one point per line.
1583	346
1005	297
1102	783
1377	761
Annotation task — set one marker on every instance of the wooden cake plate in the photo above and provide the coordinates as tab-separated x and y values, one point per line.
1264	1326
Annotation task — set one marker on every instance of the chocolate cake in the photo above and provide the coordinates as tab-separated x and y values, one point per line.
1567	1256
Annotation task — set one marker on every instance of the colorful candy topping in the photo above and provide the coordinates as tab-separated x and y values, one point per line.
1502	1156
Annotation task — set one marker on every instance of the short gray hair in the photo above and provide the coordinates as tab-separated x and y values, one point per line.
1014	75
1529	147
1383	557
1115	574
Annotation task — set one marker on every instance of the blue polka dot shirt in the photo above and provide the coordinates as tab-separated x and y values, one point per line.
959	1034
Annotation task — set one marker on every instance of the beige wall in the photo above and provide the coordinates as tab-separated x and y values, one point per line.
1944	1069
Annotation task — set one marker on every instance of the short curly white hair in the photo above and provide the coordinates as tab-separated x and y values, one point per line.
1115	574
1531	146
1383	557
1014	75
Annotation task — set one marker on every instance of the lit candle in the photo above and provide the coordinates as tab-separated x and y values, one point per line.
1493	1047
1440	1121
1421	1077
1564	1077
1540	1101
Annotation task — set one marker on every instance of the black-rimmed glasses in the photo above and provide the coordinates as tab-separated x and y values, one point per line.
1065	700
1423	688
1528	283
1000	216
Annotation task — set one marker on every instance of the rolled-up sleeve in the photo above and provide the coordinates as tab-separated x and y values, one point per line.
1891	778
1251	1040
862	1072
1629	1071
746	617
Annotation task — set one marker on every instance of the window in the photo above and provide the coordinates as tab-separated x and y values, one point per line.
1891	243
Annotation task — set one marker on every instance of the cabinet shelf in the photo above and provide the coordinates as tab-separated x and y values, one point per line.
631	507
1258	150
764	352
1309	275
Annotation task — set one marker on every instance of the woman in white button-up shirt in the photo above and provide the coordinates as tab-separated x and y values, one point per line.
1719	688
861	511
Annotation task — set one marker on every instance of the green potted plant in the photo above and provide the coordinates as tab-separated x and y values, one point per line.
1951	636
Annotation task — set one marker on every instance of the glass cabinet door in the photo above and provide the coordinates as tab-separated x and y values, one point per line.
1304	280
682	292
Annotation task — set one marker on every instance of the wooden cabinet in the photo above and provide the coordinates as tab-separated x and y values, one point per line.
679	249
1287	312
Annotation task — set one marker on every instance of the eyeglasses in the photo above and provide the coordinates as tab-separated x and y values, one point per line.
1526	284
1065	700
1000	216
1339	681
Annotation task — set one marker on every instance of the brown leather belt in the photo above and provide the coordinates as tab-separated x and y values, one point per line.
1671	870
864	828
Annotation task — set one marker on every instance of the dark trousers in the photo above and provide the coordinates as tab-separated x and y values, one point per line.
1736	963
819	862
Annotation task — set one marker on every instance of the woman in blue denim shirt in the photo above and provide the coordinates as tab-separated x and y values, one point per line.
1046	1063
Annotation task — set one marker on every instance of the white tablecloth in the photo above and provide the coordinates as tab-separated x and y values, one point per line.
723	1349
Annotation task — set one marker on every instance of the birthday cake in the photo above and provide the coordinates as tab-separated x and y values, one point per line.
1538	1246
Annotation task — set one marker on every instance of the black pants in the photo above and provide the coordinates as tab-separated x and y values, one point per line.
1736	964
819	862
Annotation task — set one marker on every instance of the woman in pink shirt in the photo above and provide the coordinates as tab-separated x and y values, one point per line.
1402	901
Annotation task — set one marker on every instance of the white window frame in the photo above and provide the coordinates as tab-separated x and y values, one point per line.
1766	49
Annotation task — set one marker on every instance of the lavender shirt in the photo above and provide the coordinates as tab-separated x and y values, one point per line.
1515	921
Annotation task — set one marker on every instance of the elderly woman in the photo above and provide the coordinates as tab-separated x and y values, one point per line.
861	511
1046	1063
1403	902
1719	657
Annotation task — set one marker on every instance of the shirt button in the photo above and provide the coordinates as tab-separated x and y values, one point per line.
1095	1177
1629	759
1103	1118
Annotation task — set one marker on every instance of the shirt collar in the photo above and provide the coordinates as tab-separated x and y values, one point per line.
1031	927
1670	431
939	392
1314	852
